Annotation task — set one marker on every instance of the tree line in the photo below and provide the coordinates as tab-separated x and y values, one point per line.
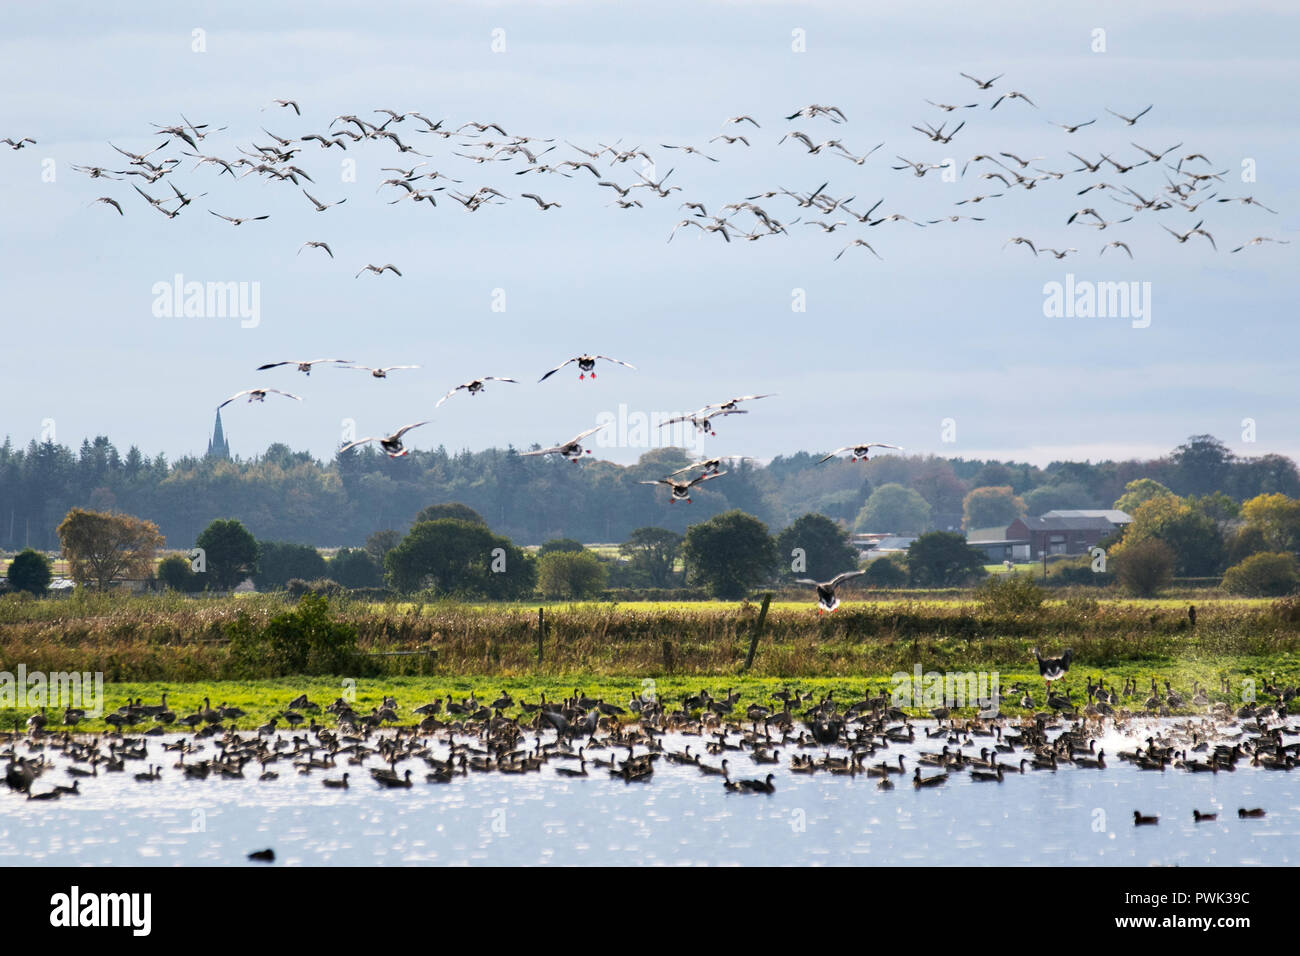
283	495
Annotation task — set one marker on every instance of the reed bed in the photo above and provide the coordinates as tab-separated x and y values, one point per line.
176	638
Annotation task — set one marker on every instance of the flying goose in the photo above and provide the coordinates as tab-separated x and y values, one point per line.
1259	240
304	366
983	84
1130	120
859	451
681	490
827	601
1053	669
702	419
571	449
1013	95
258	395
1074	127
731	403
238	221
379	270
382	371
322	206
706	466
17	144
541	202
392	444
312	243
1196	230
740	119
1248	201
586	364
112	202
814	109
948	108
858	242
474	386
288	103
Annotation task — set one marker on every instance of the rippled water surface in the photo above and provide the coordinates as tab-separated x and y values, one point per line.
680	817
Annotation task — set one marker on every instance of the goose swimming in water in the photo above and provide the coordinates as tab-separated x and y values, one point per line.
681	490
859	451
392	444
827	601
474	386
571	449
586	365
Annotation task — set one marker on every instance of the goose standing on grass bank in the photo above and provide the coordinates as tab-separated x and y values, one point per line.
681	490
1053	669
258	395
474	386
586	365
571	449
827	601
860	452
392	444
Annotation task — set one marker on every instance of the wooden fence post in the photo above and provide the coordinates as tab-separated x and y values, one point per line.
758	630
541	631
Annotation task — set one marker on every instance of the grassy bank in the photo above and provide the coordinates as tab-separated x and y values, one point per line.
155	638
263	699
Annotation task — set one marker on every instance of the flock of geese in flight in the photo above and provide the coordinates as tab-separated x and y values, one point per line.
1187	181
1183	179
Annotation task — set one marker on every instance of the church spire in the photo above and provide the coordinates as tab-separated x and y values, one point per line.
218	447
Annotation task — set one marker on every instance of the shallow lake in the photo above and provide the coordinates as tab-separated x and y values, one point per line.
679	817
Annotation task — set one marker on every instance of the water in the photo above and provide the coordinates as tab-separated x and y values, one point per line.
681	817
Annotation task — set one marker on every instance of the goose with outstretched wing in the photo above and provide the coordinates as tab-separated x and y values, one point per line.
474	386
703	420
304	366
391	444
859	451
586	365
827	600
257	395
681	490
571	449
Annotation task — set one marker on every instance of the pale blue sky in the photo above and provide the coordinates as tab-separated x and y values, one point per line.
949	325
